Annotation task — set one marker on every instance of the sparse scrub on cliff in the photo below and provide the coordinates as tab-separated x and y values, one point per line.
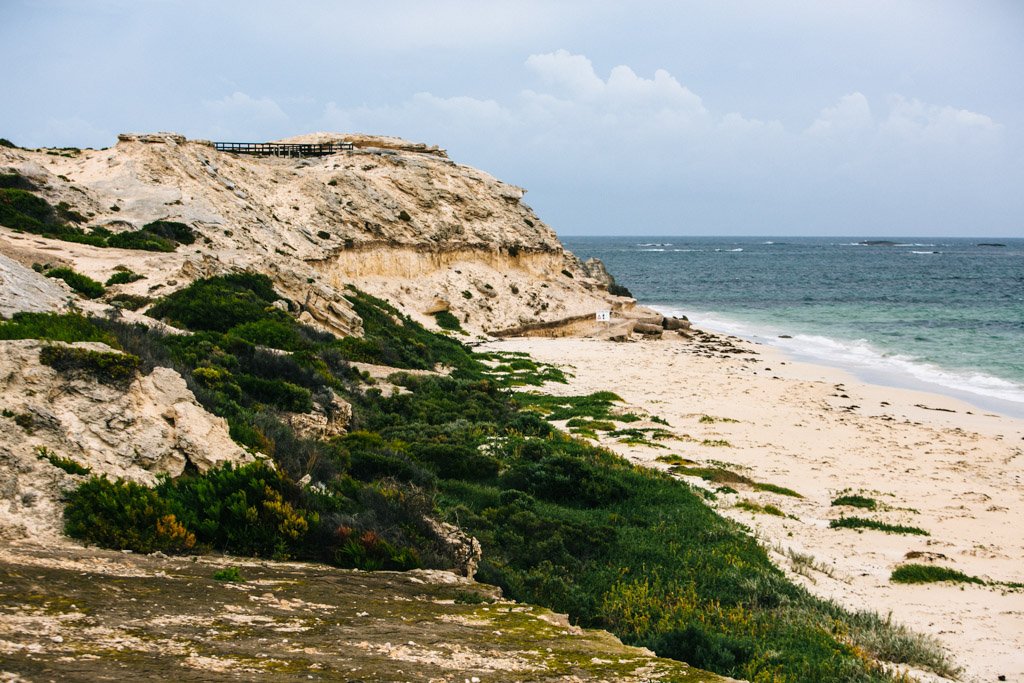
84	285
107	367
123	277
65	327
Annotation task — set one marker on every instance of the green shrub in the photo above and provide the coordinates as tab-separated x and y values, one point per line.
276	392
856	501
65	327
861	523
66	464
924	573
277	333
132	302
774	488
447	321
23	210
123	277
82	284
107	367
141	240
171	230
618	290
124	516
15	181
219	303
229	574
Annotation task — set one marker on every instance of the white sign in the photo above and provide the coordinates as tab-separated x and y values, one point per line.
604	316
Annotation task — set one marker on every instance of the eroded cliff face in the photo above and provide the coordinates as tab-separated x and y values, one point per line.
396	219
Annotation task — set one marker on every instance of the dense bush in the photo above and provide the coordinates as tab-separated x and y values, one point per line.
107	367
447	321
65	327
82	284
123	277
219	303
142	240
171	230
125	516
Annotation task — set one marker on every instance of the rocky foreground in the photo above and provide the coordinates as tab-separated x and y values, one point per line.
80	614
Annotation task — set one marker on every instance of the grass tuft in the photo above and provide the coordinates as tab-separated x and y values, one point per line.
862	523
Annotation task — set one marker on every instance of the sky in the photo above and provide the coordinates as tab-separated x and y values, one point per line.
686	117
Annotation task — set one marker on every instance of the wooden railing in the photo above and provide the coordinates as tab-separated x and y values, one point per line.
279	149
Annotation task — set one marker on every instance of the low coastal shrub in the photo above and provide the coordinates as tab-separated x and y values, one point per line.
447	321
774	488
171	230
228	574
65	327
862	523
766	509
142	240
926	573
855	501
66	464
109	367
82	284
123	277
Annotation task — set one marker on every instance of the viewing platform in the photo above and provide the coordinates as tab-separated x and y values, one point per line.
278	149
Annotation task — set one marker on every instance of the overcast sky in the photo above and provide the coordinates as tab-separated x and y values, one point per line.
700	117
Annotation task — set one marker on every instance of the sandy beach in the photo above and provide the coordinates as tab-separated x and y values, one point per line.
930	462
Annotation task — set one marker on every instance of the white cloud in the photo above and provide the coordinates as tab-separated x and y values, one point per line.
852	113
913	120
242	105
571	72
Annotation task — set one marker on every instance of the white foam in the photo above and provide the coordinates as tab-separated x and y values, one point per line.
872	364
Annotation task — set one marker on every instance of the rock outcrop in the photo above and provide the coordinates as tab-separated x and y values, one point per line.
151	426
397	219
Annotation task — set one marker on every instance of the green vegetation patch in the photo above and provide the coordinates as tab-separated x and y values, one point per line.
925	573
228	574
109	367
855	501
84	285
123	277
781	490
862	523
66	464
446	320
516	369
65	327
758	508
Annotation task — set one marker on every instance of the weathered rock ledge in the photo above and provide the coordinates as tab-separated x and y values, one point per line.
76	614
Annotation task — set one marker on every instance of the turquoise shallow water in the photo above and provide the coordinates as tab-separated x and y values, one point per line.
939	314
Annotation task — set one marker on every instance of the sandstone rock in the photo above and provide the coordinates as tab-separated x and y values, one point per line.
596	269
152	426
438	305
648	329
23	289
464	549
324	422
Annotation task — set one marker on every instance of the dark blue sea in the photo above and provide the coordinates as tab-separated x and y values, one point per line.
943	315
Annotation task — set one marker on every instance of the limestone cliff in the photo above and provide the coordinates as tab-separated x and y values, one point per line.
396	219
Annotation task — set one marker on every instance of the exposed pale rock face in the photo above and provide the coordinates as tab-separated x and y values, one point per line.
152	426
325	421
23	289
397	219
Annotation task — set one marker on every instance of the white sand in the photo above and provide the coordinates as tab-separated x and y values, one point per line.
820	432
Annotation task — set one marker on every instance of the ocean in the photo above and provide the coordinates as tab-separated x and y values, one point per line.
944	315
